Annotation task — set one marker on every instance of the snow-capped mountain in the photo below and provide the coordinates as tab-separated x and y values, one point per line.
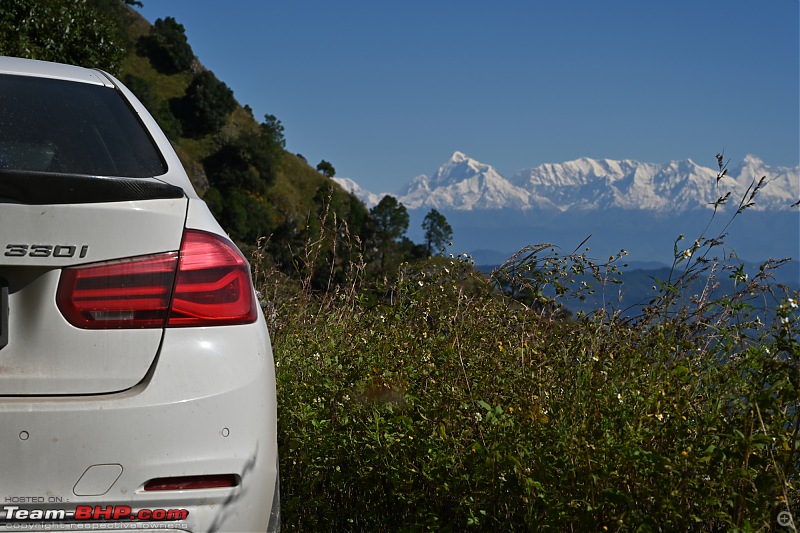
369	198
782	184
461	184
464	184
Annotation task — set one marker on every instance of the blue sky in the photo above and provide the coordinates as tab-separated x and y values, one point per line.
389	90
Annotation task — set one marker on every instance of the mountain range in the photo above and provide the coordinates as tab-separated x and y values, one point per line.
464	184
641	207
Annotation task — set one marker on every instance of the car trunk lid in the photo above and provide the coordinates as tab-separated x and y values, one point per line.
51	222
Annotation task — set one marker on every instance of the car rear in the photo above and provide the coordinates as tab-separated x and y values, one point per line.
137	384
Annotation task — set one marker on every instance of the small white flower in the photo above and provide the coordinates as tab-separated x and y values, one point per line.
619	397
793	303
420	283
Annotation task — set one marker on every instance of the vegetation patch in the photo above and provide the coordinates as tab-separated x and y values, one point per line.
452	400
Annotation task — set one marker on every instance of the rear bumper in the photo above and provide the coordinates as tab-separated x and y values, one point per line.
206	407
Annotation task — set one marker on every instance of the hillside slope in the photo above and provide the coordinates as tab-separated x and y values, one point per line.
251	183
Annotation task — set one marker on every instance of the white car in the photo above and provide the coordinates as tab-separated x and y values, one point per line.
137	383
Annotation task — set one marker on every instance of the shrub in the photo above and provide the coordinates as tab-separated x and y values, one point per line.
166	46
206	105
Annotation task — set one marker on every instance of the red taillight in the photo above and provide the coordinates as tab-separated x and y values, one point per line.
207	284
131	293
213	286
192	482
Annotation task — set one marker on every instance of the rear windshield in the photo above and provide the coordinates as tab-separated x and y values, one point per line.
68	127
